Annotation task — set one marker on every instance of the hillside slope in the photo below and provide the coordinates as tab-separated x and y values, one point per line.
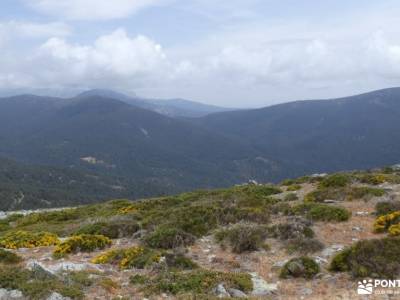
320	136
313	237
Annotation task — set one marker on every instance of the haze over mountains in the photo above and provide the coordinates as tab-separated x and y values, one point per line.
132	147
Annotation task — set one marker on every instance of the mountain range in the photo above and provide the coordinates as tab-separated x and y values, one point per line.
144	150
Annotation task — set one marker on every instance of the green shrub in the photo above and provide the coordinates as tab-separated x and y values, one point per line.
387	207
293	187
290	197
295	229
322	194
197	282
377	258
322	212
362	192
243	237
335	181
138	279
373	178
179	262
35	286
112	229
169	238
303	267
82	243
8	257
304	246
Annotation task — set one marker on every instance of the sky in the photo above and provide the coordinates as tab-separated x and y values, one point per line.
234	53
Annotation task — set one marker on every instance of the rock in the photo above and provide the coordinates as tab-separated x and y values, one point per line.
62	266
327	252
279	264
306	291
221	292
236	293
261	287
57	296
320	260
356	228
362	213
329	201
11	295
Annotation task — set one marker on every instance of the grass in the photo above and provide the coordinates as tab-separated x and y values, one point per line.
8	257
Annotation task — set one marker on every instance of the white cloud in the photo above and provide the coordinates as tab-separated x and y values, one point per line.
90	9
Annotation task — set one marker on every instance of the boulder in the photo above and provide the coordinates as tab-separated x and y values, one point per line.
236	293
261	287
221	292
11	295
57	296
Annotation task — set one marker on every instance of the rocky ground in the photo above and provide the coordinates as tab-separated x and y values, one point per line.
263	265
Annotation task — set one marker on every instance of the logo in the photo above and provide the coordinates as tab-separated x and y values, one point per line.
365	287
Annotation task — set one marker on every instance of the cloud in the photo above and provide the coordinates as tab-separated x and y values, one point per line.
90	9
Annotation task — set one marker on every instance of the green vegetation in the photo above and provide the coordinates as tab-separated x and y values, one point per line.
303	245
293	187
322	212
290	197
37	285
112	229
8	257
335	181
377	258
243	237
196	282
84	243
384	223
169	238
291	230
387	207
303	267
176	261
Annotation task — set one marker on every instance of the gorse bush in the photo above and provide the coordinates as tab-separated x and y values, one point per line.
377	258
242	237
303	267
169	238
82	243
176	261
8	257
322	212
112	229
335	181
304	245
293	187
134	257
24	239
385	222
196	282
290	197
295	229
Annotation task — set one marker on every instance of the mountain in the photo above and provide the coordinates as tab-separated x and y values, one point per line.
168	107
355	132
109	137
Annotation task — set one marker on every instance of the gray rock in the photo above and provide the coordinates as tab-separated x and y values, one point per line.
62	267
221	292
11	295
236	293
328	252
306	291
279	264
57	296
261	287
356	228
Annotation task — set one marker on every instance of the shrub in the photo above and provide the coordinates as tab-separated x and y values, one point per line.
321	194
290	197
293	187
298	228
304	246
383	223
242	238
135	257
84	243
197	282
169	238
377	258
8	257
112	230
303	267
362	192
25	239
335	181
322	212
36	287
179	262
394	230
387	207
138	279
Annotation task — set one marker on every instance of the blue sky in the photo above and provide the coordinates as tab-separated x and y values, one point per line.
229	52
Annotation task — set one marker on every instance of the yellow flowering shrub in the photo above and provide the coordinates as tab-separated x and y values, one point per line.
25	239
128	209
137	257
394	230
383	223
84	243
